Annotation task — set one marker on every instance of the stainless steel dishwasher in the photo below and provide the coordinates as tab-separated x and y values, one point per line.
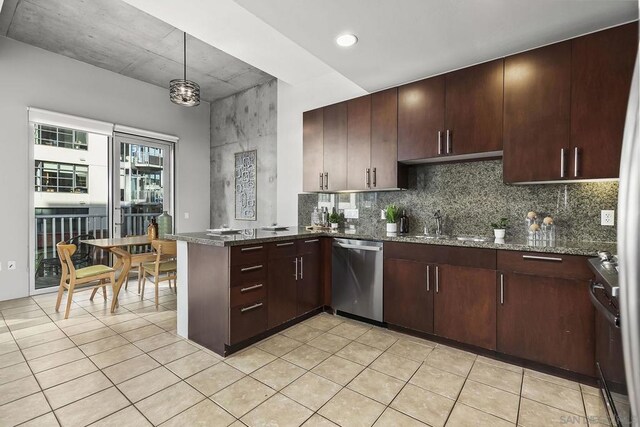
357	278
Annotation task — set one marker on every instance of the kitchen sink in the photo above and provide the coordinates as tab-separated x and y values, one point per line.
428	237
472	239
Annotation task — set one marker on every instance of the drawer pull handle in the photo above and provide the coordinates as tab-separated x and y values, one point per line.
284	244
542	258
251	307
253	248
251	288
312	241
255	267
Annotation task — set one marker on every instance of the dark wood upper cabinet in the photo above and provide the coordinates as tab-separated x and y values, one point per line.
602	67
465	305
335	147
408	294
474	102
537	111
421	119
359	143
384	140
312	150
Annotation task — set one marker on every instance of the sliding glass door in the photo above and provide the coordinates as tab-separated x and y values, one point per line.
142	183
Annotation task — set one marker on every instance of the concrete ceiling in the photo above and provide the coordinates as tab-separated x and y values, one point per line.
401	41
116	36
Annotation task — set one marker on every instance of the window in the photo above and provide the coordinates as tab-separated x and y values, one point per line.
60	137
54	177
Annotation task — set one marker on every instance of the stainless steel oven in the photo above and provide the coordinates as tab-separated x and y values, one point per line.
609	356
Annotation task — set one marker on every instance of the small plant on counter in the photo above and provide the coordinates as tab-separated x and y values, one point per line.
392	212
500	227
335	219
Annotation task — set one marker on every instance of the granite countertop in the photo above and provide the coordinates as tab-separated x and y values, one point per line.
253	236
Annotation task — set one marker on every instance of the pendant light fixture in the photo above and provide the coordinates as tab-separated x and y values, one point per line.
182	91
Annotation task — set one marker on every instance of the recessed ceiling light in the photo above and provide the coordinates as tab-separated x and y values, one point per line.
346	40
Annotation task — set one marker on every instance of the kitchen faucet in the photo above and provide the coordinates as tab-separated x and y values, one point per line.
438	218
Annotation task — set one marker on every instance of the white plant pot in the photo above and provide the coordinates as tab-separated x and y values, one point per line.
499	233
392	227
334	225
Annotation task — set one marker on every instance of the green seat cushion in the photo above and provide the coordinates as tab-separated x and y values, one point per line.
93	270
164	266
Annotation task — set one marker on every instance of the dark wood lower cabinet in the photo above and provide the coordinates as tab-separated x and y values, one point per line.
465	305
309	295
408	294
283	290
248	320
548	320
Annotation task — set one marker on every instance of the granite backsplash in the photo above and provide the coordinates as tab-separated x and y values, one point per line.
472	195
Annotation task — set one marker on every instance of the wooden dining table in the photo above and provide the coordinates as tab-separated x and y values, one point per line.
119	247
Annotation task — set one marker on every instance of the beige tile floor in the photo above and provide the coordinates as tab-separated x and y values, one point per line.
131	369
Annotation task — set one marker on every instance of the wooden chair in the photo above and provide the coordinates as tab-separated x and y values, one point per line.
164	268
138	257
92	277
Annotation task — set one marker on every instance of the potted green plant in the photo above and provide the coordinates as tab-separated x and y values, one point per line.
500	227
391	214
334	220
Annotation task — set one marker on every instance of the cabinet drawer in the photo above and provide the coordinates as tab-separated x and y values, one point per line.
436	254
282	249
309	246
248	293
544	264
248	254
248	273
248	321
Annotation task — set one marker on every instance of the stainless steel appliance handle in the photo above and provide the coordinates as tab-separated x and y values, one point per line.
255	267
428	274
312	241
296	273
358	247
251	288
448	141
326	180
301	267
542	258
562	172
284	244
501	289
367	183
374	177
575	162
611	318
437	279
251	307
253	248
439	143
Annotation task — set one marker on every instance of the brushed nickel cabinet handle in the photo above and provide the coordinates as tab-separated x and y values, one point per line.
374	177
284	244
501	289
255	267
575	162
562	163
312	241
439	143
296	273
251	307
251	288
301	267
326	180
428	274
367	183
437	280
321	181
448	141
542	258
253	248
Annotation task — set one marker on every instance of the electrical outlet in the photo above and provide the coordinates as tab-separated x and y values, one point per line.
11	265
383	214
607	217
186	215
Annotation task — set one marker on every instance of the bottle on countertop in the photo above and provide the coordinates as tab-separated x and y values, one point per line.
152	229
315	216
404	222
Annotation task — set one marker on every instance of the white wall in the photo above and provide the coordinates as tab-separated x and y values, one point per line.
292	102
33	77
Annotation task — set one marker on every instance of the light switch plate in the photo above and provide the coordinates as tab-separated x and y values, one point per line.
351	213
607	217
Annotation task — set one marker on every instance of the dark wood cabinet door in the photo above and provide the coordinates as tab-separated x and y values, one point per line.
335	147
282	293
420	118
465	305
474	102
384	139
309	283
408	294
359	143
537	108
602	67
312	149
547	320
